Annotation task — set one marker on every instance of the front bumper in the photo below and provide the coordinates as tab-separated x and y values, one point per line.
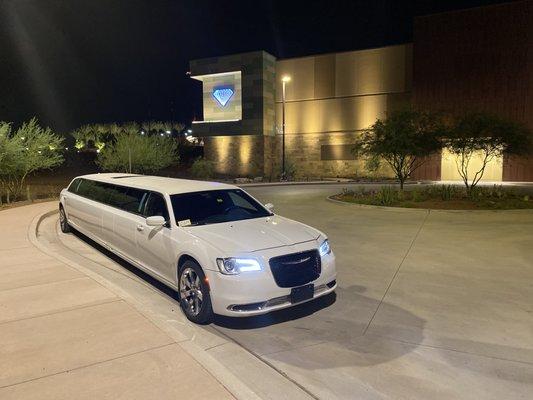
279	303
255	293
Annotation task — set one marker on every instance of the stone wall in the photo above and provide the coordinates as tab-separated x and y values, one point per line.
236	155
251	155
304	153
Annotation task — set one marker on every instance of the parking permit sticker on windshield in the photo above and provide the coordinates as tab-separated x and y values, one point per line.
184	222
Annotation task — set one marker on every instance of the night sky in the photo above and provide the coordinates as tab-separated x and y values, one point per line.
71	62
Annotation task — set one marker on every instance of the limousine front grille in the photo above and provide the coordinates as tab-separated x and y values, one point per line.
296	269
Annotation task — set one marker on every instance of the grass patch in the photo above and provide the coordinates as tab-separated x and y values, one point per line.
441	197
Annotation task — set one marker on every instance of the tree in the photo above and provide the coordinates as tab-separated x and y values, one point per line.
136	153
95	135
404	139
31	148
161	126
487	136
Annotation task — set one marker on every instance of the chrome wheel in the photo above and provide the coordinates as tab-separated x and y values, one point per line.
63	223
190	291
62	217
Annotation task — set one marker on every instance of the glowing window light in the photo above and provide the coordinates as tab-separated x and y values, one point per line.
223	95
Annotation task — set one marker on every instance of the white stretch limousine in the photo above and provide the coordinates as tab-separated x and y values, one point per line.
219	247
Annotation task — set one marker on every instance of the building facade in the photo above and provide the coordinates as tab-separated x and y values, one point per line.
456	62
478	59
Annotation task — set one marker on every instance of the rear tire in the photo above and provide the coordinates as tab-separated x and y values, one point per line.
195	299
63	223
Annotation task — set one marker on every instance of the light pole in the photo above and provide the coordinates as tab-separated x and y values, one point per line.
284	81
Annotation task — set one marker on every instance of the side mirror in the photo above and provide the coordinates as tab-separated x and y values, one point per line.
269	206
156	220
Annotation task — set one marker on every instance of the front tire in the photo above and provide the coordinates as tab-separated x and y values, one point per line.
195	300
63	223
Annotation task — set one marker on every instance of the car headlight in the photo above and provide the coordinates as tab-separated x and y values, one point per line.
324	248
234	266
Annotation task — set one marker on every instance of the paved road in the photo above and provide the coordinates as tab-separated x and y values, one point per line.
430	305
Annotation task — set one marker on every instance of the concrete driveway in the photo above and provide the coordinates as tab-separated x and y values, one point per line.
429	306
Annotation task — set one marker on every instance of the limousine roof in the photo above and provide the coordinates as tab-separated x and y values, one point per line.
157	183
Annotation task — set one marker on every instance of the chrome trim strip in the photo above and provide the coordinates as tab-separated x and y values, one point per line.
276	301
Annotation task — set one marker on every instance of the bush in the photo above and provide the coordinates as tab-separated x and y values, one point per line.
202	169
387	196
30	148
290	170
136	153
441	196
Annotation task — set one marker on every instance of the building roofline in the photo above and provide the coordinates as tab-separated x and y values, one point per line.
468	9
346	51
233	55
304	56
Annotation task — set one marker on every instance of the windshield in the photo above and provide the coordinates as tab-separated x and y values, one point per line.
215	206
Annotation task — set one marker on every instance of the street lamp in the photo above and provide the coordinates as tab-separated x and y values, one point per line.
284	81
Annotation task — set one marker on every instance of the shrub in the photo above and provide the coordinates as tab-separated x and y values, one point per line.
386	196
135	153
447	192
495	197
290	171
202	169
417	196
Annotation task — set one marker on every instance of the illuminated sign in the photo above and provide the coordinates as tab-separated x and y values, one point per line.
223	95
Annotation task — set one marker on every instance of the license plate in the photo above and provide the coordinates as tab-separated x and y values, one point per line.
302	293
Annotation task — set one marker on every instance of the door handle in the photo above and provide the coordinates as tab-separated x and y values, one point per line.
140	228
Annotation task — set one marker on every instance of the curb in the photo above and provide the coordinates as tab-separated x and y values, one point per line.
427	210
372	207
303	183
227	379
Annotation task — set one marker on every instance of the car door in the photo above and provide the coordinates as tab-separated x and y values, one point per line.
127	216
71	201
84	209
156	249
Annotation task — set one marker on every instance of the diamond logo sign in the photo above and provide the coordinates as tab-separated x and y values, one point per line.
223	95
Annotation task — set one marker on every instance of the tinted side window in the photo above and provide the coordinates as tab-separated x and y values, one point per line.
73	187
99	192
93	190
127	199
156	206
84	188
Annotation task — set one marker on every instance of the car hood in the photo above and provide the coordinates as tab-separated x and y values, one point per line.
254	234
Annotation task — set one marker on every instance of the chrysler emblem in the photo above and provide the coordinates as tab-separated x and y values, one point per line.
300	261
